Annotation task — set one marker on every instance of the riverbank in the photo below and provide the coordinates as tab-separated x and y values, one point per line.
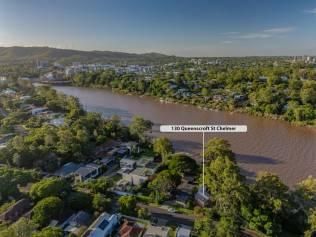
209	107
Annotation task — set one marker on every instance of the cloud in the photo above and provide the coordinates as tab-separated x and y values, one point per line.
312	11
227	42
279	30
262	34
230	33
255	36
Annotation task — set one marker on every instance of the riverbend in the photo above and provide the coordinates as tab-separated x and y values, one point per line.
269	145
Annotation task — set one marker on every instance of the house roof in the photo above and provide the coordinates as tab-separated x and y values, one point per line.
140	171
16	210
81	218
68	169
185	187
84	171
130	229
183	232
156	231
127	160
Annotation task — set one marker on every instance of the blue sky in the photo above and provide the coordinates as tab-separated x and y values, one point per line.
178	27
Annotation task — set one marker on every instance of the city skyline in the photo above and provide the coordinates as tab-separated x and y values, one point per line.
182	28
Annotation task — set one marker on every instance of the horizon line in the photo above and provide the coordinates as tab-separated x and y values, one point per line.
149	52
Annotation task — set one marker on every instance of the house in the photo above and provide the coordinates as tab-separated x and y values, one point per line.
121	151
68	170
263	78
184	193
127	164
137	176
25	97
3	78
57	122
131	146
16	210
144	161
103	226
107	160
131	229
239	97
202	198
39	110
156	231
123	187
88	171
219	98
183	231
76	222
9	92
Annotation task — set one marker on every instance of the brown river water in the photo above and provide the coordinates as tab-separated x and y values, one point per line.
269	145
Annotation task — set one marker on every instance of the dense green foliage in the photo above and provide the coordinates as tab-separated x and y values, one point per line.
286	92
182	164
21	228
49	232
46	210
163	185
12	179
267	206
50	187
138	128
47	146
127	204
163	147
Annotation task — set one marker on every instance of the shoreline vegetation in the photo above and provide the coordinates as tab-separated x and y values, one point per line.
279	90
173	101
238	111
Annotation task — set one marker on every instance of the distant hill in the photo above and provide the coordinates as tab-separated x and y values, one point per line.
67	56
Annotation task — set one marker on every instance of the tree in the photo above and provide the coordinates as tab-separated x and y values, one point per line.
100	202
217	147
268	206
163	185
11	178
53	186
79	201
22	228
205	93
143	213
163	147
100	185
307	188
46	210
49	232
308	92
228	227
127	204
311	224
139	126
182	164
203	224
224	181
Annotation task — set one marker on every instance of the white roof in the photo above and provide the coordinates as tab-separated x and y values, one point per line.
183	232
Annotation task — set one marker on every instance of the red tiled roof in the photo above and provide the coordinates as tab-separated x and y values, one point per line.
129	229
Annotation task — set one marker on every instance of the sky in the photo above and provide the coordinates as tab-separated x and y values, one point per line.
174	27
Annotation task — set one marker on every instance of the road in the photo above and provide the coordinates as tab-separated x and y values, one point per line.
160	213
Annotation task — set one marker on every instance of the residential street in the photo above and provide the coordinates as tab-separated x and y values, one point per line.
160	213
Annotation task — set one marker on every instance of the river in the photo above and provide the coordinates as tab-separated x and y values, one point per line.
269	145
